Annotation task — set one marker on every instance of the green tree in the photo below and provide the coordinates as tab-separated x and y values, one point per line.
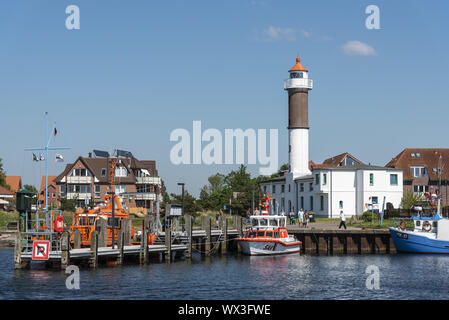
67	204
3	176
409	199
191	204
33	190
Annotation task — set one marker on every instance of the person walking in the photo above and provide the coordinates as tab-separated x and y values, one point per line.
292	217
306	218
301	217
342	220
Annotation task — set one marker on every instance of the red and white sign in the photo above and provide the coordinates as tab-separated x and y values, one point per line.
41	250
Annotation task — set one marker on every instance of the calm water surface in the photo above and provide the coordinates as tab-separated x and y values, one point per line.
239	277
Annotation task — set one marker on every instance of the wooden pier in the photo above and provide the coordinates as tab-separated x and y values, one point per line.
175	243
169	244
333	242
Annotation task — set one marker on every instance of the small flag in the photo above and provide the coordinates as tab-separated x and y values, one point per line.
59	158
35	157
41	158
56	132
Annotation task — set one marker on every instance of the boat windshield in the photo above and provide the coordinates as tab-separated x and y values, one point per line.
273	222
255	223
263	222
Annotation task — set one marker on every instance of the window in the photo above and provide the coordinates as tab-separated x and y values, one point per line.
283	188
63	190
297	75
420	189
264	189
301	187
393	179
269	234
311	186
103	172
340	204
374	200
274	188
321	203
419	171
311	202
53	195
120	189
302	202
289	189
121	172
97	192
371	179
80	173
324	179
317	178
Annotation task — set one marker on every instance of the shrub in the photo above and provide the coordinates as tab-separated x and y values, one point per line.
368	216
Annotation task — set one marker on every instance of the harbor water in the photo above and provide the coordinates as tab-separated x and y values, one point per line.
232	277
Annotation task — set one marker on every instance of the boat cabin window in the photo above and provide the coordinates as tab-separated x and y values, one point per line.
254	222
263	222
276	234
261	233
418	223
273	222
269	234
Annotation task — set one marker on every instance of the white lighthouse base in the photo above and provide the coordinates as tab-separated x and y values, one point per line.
299	152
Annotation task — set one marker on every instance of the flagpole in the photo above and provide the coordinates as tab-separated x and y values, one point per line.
46	162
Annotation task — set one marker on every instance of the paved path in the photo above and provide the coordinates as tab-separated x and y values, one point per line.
322	226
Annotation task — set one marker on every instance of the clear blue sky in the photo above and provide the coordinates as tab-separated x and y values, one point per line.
136	70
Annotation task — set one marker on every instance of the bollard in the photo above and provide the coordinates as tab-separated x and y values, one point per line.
93	261
224	241
208	230
18	262
65	250
121	238
102	233
189	229
144	241
168	244
77	239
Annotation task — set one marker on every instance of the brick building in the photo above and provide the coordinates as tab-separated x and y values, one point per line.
52	191
423	168
88	178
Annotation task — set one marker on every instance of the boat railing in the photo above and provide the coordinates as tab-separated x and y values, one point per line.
403	223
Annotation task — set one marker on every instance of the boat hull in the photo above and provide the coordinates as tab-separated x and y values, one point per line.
406	241
265	248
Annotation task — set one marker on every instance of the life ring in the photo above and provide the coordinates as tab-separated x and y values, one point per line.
403	225
427	226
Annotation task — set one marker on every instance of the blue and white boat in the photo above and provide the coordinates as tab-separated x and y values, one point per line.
429	235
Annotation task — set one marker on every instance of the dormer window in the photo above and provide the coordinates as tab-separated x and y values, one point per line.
296	75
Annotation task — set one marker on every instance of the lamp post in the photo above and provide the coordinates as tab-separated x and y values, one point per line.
183	220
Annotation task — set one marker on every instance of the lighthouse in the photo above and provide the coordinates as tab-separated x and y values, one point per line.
298	85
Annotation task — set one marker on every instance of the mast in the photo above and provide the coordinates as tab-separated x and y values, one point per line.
46	149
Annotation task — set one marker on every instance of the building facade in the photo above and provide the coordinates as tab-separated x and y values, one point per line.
339	183
90	179
425	170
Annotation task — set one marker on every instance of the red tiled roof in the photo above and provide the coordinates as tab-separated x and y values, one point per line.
5	192
15	182
427	157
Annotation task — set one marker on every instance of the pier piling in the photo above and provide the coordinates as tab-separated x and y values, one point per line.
102	233
207	228
224	240
189	229
168	244
77	239
18	262
65	250
93	261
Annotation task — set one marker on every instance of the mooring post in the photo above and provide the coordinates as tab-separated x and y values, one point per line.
127	230
189	229
168	244
76	239
65	250
102	233
121	240
18	262
224	232
93	261
203	222
208	230
144	240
